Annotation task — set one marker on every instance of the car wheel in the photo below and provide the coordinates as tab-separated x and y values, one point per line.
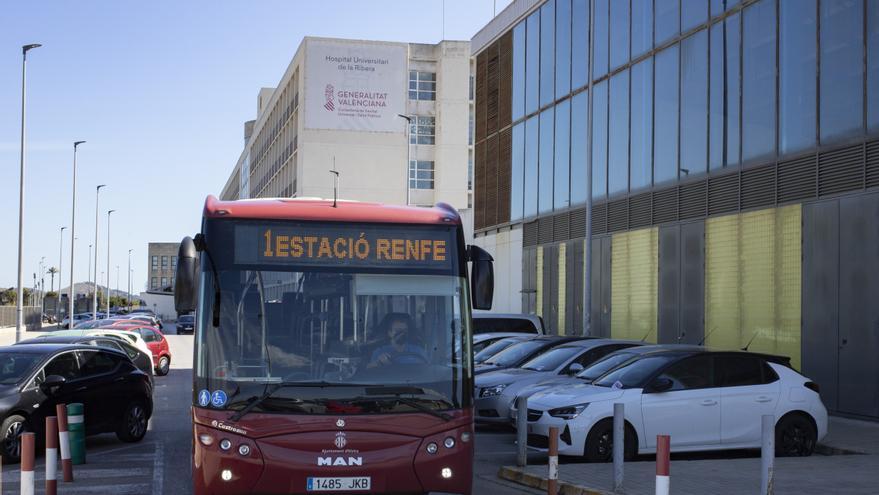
134	423
164	366
795	437
599	443
10	442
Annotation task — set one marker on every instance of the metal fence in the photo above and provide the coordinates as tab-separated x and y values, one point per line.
32	317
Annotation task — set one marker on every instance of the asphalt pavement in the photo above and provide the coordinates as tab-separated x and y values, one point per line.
160	464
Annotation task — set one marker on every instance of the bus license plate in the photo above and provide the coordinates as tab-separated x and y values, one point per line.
339	484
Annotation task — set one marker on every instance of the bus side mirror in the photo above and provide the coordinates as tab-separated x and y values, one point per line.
481	277
185	295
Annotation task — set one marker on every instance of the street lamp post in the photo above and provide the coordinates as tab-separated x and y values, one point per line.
73	236
109	212
408	154
129	280
19	311
97	225
60	262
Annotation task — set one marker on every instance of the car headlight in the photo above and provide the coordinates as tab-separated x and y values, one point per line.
493	391
567	412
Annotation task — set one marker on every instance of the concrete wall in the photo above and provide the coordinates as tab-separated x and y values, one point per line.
506	248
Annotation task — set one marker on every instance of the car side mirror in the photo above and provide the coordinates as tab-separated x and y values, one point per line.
575	368
481	277
661	384
185	294
52	383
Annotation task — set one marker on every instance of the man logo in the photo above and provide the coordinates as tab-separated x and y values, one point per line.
339	461
340	423
340	440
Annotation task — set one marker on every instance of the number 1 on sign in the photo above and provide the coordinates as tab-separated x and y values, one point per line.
268	252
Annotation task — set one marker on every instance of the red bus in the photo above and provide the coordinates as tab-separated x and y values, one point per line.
332	347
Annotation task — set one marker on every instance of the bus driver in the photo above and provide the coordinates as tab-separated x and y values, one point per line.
398	350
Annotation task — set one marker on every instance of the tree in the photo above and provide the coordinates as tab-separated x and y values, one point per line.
52	271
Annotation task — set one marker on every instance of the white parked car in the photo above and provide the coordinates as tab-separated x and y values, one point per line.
133	337
703	399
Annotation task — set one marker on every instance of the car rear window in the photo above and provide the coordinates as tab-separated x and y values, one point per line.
494	348
552	358
741	371
516	353
517	325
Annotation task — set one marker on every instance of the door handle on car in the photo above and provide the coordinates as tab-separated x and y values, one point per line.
709	402
763	398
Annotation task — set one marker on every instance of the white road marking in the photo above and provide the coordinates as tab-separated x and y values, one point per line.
159	469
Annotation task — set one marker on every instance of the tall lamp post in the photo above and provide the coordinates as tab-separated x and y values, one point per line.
60	262
72	236
19	301
408	154
129	280
97	209
109	212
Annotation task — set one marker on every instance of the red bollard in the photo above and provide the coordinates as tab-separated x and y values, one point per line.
27	463
663	453
51	455
64	442
552	482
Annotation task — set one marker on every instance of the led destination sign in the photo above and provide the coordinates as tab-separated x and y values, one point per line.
354	246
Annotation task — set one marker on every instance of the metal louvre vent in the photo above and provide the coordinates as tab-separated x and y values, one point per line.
872	172
481	96
490	179
617	215
479	185
505	85
504	175
841	171
665	206
599	219
560	228
796	179
577	224
758	187
692	200
640	210
491	90
529	234
544	230
723	194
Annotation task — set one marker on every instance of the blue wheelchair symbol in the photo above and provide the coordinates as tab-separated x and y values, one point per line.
218	399
204	398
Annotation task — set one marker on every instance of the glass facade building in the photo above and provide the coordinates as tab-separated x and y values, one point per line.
733	153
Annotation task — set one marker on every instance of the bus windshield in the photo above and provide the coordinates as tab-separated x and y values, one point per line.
338	337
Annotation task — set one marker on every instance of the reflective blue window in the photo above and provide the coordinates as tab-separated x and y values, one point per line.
619	33
797	65
579	138
694	104
562	48
517	172
561	189
599	48
873	66
842	58
545	174
642	124
532	63
547	53
665	141
693	13
618	134
531	152
519	71
599	140
642	27
724	106
720	6
758	81
668	20
579	43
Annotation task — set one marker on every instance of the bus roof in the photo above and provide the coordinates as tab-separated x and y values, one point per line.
315	209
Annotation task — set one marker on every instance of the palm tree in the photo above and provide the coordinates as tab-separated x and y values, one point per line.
52	271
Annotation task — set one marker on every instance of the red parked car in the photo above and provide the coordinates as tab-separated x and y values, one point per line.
157	343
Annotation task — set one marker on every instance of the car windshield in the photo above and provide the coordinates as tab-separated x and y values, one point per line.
552	358
603	366
186	319
494	348
633	373
15	366
332	334
515	353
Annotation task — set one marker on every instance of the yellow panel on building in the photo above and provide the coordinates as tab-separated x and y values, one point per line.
753	281
634	274
563	249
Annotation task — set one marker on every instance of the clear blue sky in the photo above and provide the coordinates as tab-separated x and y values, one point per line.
160	91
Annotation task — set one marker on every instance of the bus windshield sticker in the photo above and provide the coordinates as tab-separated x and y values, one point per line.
358	246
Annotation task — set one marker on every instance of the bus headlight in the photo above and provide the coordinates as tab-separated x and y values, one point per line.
431	448
244	449
226	475
446	472
225	444
206	439
449	442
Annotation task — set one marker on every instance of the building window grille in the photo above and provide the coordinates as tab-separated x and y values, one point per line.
422	130
421	174
164	262
173	262
154	263
422	85
154	282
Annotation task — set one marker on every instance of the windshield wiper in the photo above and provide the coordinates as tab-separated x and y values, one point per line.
277	386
